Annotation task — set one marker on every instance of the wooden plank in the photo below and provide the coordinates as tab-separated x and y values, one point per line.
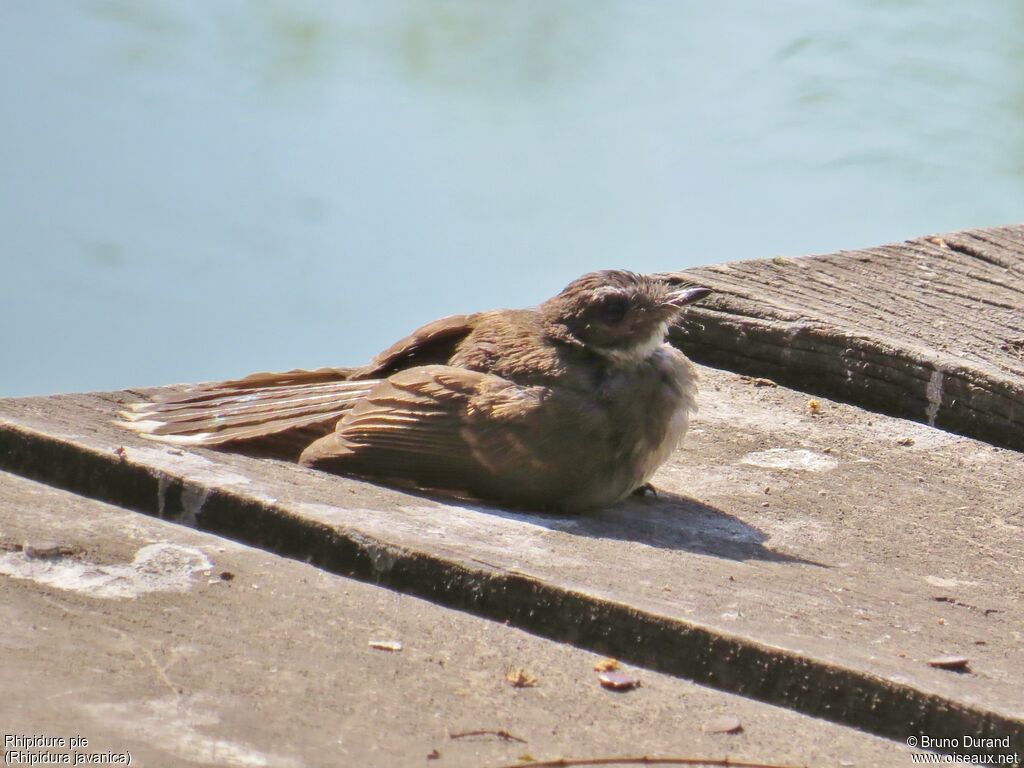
931	329
817	562
135	640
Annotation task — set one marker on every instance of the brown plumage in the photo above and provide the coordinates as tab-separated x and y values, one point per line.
568	406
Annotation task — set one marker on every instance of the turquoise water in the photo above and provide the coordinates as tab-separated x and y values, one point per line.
196	190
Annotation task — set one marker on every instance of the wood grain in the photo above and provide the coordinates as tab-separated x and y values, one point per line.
931	329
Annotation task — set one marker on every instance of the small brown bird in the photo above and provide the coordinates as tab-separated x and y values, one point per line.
567	406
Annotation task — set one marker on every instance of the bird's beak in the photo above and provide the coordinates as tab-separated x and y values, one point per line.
685	296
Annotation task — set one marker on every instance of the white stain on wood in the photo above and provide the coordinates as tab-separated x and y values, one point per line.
159	567
196	468
179	725
787	458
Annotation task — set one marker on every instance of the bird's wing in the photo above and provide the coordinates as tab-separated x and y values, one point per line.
441	427
282	412
431	344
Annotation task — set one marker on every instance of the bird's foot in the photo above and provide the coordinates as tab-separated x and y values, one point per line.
646	490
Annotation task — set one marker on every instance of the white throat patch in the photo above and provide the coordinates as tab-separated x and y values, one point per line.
640	351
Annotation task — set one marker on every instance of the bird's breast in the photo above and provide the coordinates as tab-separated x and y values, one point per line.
658	398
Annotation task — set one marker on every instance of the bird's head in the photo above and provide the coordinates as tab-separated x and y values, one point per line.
620	315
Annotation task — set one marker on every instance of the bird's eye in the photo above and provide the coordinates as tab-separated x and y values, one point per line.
614	310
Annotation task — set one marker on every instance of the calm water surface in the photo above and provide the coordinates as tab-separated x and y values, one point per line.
194	190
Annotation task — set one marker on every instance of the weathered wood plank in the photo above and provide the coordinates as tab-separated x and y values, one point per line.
134	640
931	329
813	561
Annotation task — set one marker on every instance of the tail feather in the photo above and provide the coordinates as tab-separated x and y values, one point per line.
265	409
283	378
223	420
250	402
168	433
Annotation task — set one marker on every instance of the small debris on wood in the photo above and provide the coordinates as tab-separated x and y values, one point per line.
226	576
606	665
121	453
45	550
952	663
520	678
528	761
618	681
386	645
936	240
723	724
502	734
814	407
905	441
1014	346
434	754
968	606
757	381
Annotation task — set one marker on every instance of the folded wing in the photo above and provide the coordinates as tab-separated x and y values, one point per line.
281	413
444	428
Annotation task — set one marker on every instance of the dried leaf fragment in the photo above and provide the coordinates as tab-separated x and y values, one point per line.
386	645
757	381
618	681
520	678
606	665
905	441
814	407
723	724
954	663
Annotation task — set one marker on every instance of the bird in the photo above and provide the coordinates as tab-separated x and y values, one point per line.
565	407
